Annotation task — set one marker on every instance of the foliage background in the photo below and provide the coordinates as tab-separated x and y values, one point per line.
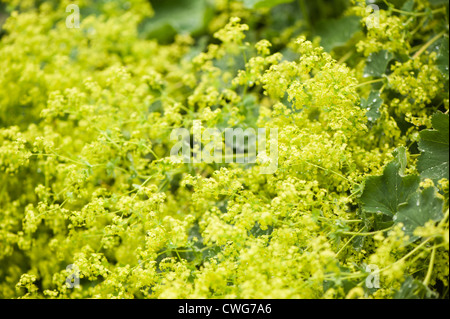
87	180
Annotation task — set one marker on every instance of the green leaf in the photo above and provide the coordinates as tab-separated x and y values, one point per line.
336	32
434	161
377	221
372	105
420	208
442	57
337	281
408	6
377	63
414	289
257	4
401	158
175	16
383	194
358	243
438	2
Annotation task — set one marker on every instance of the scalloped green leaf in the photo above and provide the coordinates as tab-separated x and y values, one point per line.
377	63
383	194
442	57
420	208
372	105
336	32
408	6
414	289
434	144
401	158
175	16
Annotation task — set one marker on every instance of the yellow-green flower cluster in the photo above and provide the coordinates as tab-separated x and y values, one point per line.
88	181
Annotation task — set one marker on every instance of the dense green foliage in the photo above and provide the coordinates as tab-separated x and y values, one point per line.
360	99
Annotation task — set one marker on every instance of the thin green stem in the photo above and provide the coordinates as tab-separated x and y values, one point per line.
345	57
329	170
426	45
426	281
418	27
366	234
142	185
348	242
416	14
343	220
442	222
368	82
353	194
65	158
178	255
412	252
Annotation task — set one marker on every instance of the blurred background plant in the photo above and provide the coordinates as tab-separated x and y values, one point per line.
85	120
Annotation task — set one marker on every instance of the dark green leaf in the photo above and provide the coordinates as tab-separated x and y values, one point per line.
256	4
372	105
414	289
336	32
346	284
442	57
438	2
434	161
175	16
420	208
383	194
358	243
401	158
377	63
408	6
